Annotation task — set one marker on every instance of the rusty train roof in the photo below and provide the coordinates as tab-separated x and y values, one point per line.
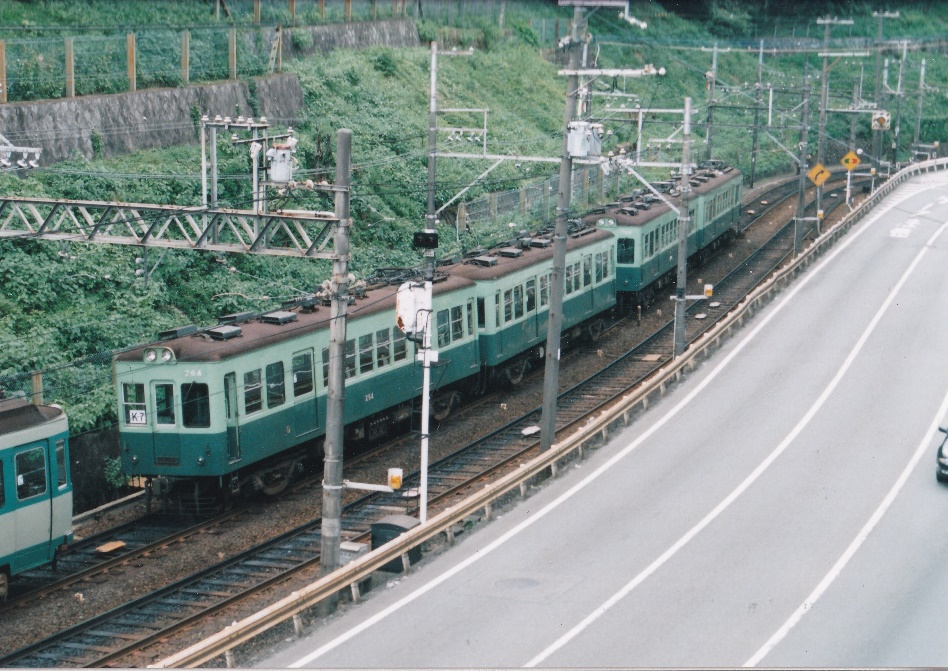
256	334
17	414
621	212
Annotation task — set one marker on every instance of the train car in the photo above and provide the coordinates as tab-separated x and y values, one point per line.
35	487
241	404
514	295
647	230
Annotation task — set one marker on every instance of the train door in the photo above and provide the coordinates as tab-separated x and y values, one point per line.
166	439
230	412
33	507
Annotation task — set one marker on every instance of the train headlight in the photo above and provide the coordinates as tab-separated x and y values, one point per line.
159	354
166	355
151	355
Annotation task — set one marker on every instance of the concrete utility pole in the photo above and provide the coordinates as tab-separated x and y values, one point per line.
804	168
557	290
918	112
760	69
684	224
335	419
898	108
877	135
714	78
824	97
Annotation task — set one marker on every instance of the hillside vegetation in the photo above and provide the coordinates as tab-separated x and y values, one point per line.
69	302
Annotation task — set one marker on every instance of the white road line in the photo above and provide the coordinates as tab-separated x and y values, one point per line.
840	564
563	498
756	473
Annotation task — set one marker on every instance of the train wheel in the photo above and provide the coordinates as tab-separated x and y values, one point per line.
4	586
443	404
594	330
275	481
515	371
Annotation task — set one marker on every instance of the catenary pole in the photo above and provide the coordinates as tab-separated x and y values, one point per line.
684	224
331	529
557	288
804	167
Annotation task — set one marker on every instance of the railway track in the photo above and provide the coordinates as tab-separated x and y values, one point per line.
115	636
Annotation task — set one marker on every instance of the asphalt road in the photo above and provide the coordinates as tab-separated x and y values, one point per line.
778	508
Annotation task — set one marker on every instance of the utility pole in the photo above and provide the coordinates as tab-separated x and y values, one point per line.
918	112
331	530
557	290
684	224
824	97
877	135
898	109
714	77
760	68
801	201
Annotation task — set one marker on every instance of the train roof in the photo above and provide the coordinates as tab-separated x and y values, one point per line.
506	260
18	414
630	213
256	333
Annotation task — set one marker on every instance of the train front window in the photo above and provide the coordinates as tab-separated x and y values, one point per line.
399	348
457	323
587	271
302	372
30	473
253	391
350	358
518	301
133	399
164	403
60	464
626	253
531	295
195	406
276	384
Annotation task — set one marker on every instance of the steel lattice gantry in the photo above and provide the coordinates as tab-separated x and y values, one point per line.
280	233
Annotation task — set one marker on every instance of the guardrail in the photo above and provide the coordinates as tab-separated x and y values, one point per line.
620	414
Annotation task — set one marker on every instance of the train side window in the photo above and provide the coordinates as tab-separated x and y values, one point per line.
30	473
518	301
544	290
366	352
587	271
599	259
302	372
607	264
253	392
195	406
3	493
350	358
569	279
531	295
497	321
133	398
164	403
444	334
508	305
383	354
325	366
457	323
230	394
626	252
576	276
470	316
399	348
276	384
61	479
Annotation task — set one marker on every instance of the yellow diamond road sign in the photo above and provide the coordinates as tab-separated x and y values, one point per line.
818	174
850	161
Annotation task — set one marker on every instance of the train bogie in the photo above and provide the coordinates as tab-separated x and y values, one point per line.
35	487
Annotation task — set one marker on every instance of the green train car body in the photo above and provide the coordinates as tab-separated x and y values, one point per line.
35	486
248	398
647	230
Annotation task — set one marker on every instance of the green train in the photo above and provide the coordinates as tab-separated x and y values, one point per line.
241	404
